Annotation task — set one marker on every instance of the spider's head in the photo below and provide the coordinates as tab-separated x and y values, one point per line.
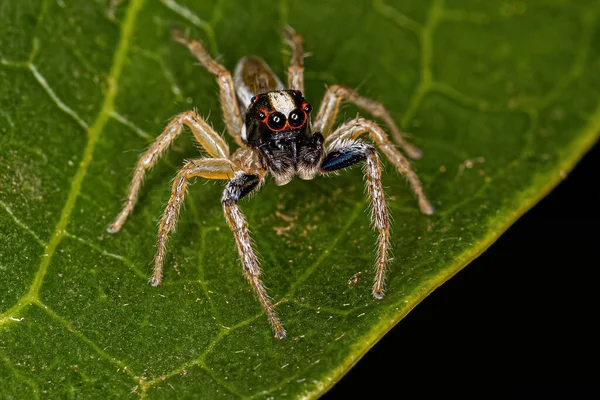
276	114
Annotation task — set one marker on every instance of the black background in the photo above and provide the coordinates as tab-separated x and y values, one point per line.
519	320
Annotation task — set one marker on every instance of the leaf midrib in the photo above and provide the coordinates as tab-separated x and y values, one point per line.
93	133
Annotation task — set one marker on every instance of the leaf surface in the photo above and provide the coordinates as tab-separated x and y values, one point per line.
503	98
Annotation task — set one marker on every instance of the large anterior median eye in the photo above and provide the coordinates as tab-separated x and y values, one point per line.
296	118
276	121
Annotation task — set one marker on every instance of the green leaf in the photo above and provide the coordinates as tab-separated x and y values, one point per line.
503	98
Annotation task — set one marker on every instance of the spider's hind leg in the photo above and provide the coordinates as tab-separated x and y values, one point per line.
345	154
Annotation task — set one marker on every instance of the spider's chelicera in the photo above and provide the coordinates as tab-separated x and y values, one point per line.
276	137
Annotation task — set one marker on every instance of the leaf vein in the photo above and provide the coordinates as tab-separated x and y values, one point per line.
136	129
29	382
397	17
326	310
93	134
169	76
22	224
188	15
59	103
200	359
106	253
325	253
203	232
589	24
460	98
215	377
103	354
426	40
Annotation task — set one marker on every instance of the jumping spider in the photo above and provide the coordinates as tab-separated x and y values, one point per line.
276	137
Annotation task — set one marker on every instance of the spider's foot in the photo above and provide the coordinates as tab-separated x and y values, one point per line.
113	228
280	333
426	207
178	36
413	151
288	30
117	223
378	294
155	280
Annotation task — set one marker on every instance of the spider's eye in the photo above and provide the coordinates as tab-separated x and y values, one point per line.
276	121
296	118
307	108
261	115
253	99
298	93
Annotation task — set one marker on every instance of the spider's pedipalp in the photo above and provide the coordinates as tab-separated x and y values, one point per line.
330	108
238	187
208	168
211	141
355	128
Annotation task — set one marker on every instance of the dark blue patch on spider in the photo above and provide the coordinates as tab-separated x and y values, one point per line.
335	161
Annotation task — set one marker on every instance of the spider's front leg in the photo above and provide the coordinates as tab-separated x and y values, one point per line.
229	104
238	187
345	154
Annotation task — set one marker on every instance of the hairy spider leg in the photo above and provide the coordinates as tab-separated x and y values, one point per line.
330	107
345	154
358	126
209	168
296	67
211	141
227	97
238	187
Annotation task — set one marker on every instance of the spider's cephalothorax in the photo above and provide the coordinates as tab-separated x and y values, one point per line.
276	137
278	126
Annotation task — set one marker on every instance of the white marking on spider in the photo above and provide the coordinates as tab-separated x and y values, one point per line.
282	102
